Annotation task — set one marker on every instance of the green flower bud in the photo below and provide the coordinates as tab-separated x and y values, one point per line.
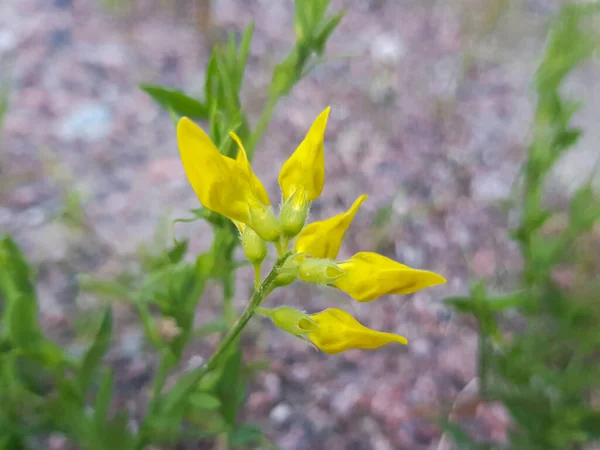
293	214
290	320
319	271
264	223
254	246
287	273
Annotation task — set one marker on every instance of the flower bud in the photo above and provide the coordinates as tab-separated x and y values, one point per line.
255	248
319	271
290	320
264	223
288	272
293	215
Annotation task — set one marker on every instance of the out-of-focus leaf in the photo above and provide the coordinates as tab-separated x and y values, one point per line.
176	101
103	400
178	251
203	400
102	287
18	276
93	357
245	434
33	375
244	51
231	385
22	323
584	210
462	440
322	35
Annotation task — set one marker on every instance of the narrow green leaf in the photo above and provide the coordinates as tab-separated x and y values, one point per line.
22	322
205	401
103	400
230	385
176	101
244	435
584	210
93	357
108	288
178	251
244	51
325	31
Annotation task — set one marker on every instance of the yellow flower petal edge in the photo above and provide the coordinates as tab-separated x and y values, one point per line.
368	276
214	177
258	189
338	331
323	239
304	171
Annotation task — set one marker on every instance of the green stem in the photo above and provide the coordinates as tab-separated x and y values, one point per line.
166	362
259	295
262	124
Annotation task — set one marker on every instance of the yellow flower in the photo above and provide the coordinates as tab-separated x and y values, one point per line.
323	239
303	174
257	187
224	185
338	331
368	276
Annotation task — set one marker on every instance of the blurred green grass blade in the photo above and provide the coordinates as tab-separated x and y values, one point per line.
95	354
325	31
231	385
204	401
244	51
176	101
103	400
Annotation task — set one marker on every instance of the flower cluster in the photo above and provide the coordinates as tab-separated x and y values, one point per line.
229	187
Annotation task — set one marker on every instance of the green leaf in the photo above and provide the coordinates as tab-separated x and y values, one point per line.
178	251
22	322
245	434
244	51
176	101
103	400
231	385
203	400
584	210
462	440
93	357
16	276
108	288
33	375
322	35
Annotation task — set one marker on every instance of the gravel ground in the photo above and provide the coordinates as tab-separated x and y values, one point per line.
430	114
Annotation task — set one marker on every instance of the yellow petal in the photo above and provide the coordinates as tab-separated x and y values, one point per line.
368	276
259	191
304	171
215	178
338	331
323	239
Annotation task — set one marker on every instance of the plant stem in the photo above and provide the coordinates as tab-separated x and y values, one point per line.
259	295
263	123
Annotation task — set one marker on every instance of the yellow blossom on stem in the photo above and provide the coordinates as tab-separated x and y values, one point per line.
368	276
323	239
338	331
303	174
224	185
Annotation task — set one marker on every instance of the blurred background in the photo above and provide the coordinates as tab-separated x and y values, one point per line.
431	109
